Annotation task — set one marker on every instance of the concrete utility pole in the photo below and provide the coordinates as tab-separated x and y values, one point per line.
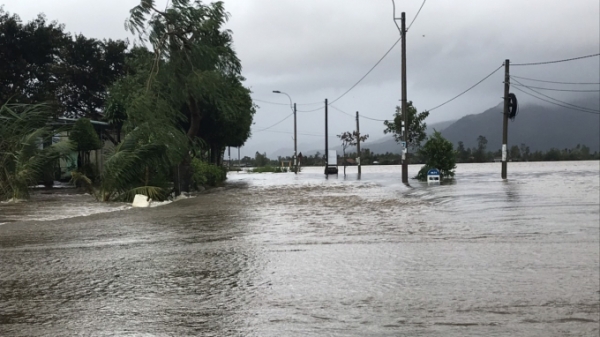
404	104
358	144
326	140
505	117
295	144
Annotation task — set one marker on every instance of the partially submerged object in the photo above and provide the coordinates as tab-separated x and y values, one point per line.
141	200
331	166
433	176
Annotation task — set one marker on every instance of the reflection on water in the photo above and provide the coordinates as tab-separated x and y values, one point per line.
301	255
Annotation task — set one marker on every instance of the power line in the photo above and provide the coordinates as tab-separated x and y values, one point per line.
287	104
319	108
267	102
381	59
368	72
413	20
291	133
464	92
554	99
281	121
561	105
340	110
556	82
551	62
552	89
360	115
373	119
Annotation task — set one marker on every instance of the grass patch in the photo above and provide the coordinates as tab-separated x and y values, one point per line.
272	169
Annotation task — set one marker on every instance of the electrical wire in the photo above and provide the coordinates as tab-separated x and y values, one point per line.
552	89
554	99
394	16
381	59
368	72
551	62
464	92
555	82
340	110
319	108
291	133
413	20
281	121
373	119
267	102
561	105
359	115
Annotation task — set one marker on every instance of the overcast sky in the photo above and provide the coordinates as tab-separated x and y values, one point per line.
317	49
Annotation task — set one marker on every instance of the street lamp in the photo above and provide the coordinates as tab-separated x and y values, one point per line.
293	107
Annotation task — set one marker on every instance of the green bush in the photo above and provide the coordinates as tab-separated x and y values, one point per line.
207	174
438	153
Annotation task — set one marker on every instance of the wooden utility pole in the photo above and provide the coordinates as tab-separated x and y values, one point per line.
295	144
505	117
358	144
326	140
404	104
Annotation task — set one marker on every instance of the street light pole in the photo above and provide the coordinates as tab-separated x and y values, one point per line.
293	107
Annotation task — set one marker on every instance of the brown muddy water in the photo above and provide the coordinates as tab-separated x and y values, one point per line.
301	255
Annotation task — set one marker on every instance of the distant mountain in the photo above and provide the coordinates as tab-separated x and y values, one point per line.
388	144
539	127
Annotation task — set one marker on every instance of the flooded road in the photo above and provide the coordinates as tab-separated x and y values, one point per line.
301	255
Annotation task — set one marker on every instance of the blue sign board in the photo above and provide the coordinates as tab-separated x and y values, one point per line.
433	172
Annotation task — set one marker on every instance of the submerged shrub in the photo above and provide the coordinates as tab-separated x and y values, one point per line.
207	174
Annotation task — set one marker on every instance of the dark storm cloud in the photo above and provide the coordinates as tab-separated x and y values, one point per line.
314	49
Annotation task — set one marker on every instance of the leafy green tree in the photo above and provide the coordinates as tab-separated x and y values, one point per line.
28	59
350	139
438	153
416	126
88	68
196	71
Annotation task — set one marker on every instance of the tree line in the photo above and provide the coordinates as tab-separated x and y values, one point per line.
178	101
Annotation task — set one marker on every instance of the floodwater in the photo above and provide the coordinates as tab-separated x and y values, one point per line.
301	255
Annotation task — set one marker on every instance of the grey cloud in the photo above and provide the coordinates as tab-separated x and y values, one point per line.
315	49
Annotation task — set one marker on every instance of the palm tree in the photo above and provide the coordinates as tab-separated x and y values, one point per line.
23	130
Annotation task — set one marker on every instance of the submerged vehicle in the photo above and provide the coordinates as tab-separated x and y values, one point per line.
331	166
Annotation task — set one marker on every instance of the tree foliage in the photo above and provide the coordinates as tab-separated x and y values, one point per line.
84	136
194	58
23	129
350	139
416	126
41	63
437	153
